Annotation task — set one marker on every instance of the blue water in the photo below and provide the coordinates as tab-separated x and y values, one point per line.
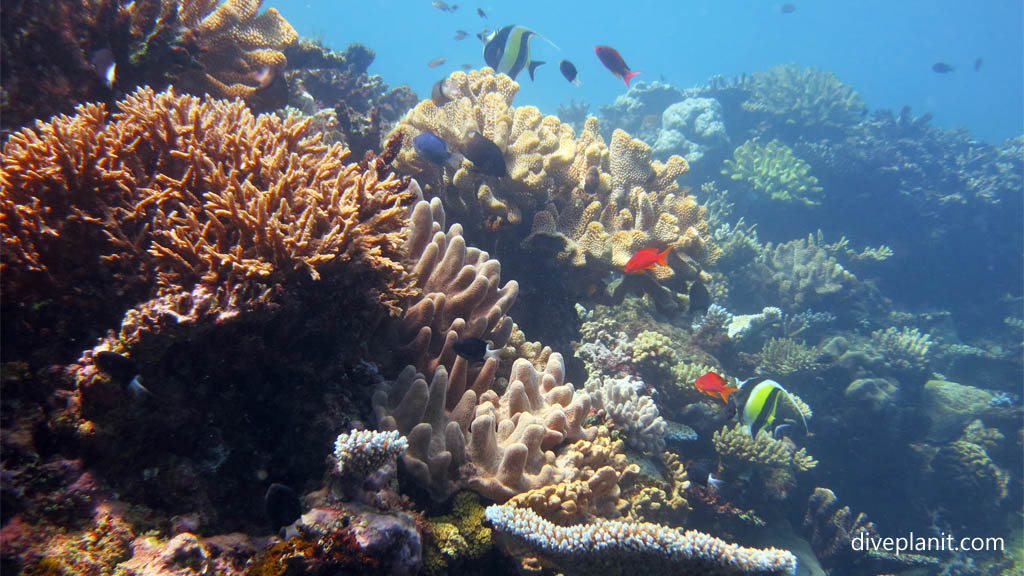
885	50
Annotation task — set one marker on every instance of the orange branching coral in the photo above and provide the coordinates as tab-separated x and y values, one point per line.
240	49
174	192
586	202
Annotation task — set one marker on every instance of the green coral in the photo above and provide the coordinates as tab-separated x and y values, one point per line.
773	169
808	98
460	535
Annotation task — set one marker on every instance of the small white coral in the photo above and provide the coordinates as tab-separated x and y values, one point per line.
362	452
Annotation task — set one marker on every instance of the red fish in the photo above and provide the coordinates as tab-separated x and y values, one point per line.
613	61
645	259
713	384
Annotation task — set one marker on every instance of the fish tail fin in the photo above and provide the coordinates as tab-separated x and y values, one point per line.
533	66
726	391
798	410
662	257
455	160
577	82
629	76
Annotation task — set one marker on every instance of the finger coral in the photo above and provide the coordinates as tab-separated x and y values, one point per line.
587	202
635	413
616	547
172	192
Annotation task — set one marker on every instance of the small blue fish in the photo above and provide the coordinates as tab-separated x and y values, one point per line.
434	149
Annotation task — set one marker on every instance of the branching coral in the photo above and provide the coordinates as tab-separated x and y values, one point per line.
737	443
833	528
56	52
786	356
667	501
773	170
636	414
585	201
617	548
966	468
801	272
173	192
458	536
362	452
905	349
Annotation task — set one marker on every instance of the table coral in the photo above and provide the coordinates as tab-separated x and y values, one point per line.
585	201
810	99
617	547
773	170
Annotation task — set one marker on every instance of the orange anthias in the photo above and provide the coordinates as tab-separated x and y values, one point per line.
645	259
713	384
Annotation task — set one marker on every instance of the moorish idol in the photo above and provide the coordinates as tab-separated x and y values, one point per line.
762	404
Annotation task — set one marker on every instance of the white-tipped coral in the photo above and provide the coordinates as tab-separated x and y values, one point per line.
614	547
362	452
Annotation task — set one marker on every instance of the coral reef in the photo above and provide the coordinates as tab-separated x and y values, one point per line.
225	49
457	537
615	547
791	100
778	459
587	202
832	529
799	274
665	503
905	349
773	170
93	208
785	356
967	471
361	107
634	413
457	418
640	110
361	452
693	128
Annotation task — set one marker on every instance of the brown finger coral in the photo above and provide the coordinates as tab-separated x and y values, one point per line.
173	192
586	202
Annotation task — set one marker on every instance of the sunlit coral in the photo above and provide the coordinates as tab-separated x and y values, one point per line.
773	170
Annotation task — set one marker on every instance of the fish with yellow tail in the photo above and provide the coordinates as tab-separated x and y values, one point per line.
761	408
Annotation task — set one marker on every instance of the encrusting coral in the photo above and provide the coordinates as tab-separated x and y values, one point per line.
585	201
617	547
773	170
172	192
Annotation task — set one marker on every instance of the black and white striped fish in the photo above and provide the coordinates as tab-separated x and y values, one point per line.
508	51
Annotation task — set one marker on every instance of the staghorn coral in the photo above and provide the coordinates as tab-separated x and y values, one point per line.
905	349
832	528
634	413
772	169
616	547
585	201
172	192
362	452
